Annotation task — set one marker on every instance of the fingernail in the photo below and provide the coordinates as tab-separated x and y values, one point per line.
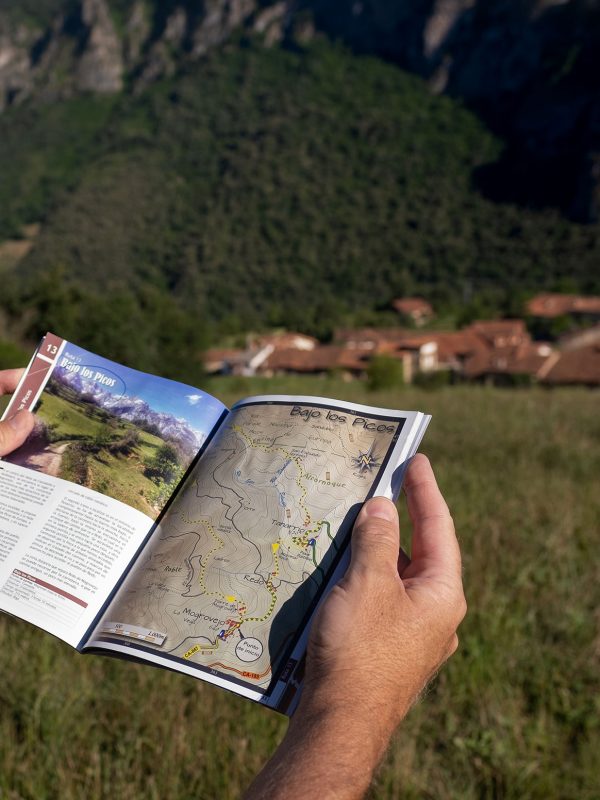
381	508
20	421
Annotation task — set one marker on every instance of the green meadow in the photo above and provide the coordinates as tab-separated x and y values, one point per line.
514	715
91	454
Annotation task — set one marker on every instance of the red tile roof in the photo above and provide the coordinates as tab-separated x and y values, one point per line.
557	305
453	345
412	305
586	305
500	332
581	366
321	359
353	337
410	341
215	353
383	339
580	338
216	356
525	359
288	340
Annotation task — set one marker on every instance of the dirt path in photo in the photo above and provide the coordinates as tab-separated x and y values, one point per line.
47	460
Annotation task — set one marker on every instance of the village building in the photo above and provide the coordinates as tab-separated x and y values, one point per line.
501	332
550	305
253	358
417	352
367	339
507	365
499	351
581	338
321	360
224	361
284	340
578	367
415	309
455	347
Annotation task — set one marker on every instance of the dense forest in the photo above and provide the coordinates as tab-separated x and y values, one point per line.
303	187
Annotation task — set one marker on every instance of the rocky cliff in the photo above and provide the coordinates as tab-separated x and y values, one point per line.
529	67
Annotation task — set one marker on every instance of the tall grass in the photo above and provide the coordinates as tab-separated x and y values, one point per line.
515	713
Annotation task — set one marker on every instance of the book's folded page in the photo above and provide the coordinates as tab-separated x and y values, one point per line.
227	583
79	497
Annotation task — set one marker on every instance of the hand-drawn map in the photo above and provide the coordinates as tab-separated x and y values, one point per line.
241	555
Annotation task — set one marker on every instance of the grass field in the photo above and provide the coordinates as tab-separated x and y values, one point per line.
515	714
121	476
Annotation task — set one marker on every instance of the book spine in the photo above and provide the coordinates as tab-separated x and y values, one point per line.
36	375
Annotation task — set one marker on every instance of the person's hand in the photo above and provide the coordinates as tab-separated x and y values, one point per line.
386	628
15	430
379	637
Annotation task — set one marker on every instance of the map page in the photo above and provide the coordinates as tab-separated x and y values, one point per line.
232	573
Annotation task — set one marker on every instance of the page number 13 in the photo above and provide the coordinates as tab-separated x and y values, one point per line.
52	349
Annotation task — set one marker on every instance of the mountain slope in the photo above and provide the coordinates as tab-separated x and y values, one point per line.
134	409
528	68
263	187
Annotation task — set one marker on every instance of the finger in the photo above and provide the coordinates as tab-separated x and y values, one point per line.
454	644
435	549
14	431
376	537
452	647
403	561
9	379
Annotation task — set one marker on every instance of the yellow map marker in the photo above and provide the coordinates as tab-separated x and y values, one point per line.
275	547
230	598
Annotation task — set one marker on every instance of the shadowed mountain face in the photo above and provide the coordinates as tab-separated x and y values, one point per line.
529	68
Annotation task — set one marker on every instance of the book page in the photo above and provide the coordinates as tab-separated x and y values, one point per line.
77	499
62	549
234	571
115	430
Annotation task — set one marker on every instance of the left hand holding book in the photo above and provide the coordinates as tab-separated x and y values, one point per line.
16	429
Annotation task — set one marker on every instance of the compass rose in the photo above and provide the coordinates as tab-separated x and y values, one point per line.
367	461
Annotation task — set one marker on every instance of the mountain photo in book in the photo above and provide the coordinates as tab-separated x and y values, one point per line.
116	431
217	575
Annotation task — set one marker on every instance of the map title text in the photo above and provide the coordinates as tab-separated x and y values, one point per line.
87	372
357	422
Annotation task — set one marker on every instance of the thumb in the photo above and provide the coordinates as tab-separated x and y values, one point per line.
376	538
14	431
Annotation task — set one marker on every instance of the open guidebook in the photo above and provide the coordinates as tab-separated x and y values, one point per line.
144	519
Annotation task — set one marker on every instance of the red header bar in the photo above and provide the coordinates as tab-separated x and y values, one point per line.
20	574
36	377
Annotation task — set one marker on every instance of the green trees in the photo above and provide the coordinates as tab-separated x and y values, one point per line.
11	355
126	445
165	464
145	329
165	470
262	187
384	372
